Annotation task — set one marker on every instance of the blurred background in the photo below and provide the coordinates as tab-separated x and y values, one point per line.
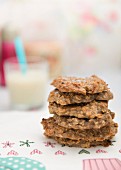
75	37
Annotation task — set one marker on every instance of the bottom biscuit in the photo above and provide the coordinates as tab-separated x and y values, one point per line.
80	143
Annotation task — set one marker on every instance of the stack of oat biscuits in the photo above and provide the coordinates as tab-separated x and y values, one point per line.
81	115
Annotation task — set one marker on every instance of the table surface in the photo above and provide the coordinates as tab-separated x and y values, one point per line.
21	134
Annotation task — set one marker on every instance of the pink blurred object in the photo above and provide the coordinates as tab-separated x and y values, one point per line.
102	164
7	49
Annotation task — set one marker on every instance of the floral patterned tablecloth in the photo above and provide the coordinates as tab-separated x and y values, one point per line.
21	135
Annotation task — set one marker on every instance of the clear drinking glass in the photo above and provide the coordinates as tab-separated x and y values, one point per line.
27	89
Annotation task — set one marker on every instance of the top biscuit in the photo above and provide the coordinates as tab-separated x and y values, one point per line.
83	86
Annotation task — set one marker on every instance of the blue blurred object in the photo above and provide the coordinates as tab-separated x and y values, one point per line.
20	54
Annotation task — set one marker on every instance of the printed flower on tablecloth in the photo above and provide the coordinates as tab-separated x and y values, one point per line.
7	144
35	151
101	151
26	143
51	144
83	151
60	153
12	152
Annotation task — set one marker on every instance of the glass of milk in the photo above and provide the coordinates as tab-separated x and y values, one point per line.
27	90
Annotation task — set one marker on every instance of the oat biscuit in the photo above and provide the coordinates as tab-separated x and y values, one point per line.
88	110
65	98
76	123
52	129
81	143
90	85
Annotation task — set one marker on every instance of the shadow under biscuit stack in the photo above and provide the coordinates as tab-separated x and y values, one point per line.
81	115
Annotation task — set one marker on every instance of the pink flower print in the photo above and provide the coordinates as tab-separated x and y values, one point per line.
35	151
48	143
60	153
101	151
8	144
12	152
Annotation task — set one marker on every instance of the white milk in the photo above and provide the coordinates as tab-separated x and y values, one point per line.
27	90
